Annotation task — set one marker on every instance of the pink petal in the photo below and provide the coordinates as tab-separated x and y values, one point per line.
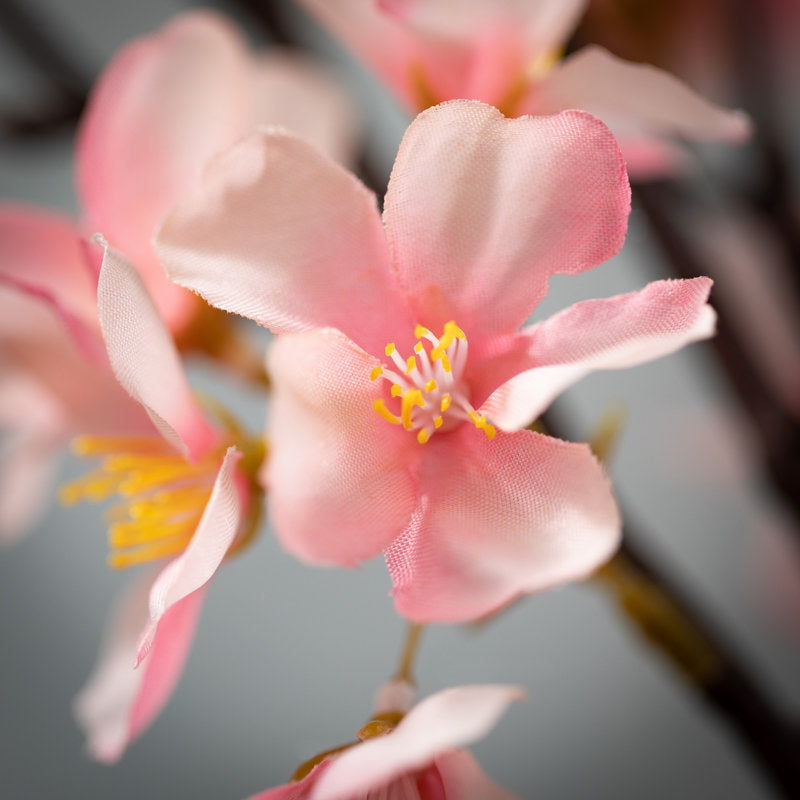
450	718
168	101
482	210
144	358
340	478
42	253
463	779
497	519
609	333
284	236
197	564
301	790
118	701
304	96
633	99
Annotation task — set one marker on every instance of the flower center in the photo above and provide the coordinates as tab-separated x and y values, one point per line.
428	385
161	495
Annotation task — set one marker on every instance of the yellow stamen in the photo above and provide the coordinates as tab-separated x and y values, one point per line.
449	335
411	363
149	553
396	390
389	348
430	386
481	424
411	398
106	445
418	348
438	421
423	436
376	373
420	331
139	532
380	407
445	403
446	363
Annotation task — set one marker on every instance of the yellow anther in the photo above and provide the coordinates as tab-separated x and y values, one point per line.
106	445
481	424
420	331
450	333
423	436
396	390
389	348
411	363
445	403
418	348
430	386
380	407
446	363
149	552
411	398
376	373
438	421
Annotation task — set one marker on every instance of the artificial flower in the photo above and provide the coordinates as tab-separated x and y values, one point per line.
186	491
164	104
401	357
415	758
507	53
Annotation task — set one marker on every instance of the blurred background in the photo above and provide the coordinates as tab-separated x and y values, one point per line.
286	657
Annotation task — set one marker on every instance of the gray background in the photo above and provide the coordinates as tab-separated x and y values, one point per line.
287	658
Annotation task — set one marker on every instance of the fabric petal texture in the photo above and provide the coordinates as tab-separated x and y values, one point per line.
229	241
612	333
339	478
518	514
193	569
478	203
450	718
144	357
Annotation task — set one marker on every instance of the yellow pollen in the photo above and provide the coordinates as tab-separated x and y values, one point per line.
430	386
446	363
389	348
420	331
411	363
418	348
396	390
379	406
481	424
376	373
411	398
445	402
423	436
449	335
438	421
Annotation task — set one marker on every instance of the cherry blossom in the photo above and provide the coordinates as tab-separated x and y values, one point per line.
416	758
401	381
185	491
508	53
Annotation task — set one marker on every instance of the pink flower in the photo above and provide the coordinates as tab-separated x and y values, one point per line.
186	491
402	358
507	53
416	760
163	105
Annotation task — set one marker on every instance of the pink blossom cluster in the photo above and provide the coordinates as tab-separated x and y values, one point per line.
404	379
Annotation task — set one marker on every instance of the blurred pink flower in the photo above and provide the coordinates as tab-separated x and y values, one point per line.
507	53
186	490
418	759
379	437
165	103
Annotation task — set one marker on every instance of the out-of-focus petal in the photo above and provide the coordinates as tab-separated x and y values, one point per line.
165	104
283	235
193	569
144	358
500	518
463	779
43	254
609	333
295	791
303	96
27	465
481	210
634	99
339	478
118	701
451	718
